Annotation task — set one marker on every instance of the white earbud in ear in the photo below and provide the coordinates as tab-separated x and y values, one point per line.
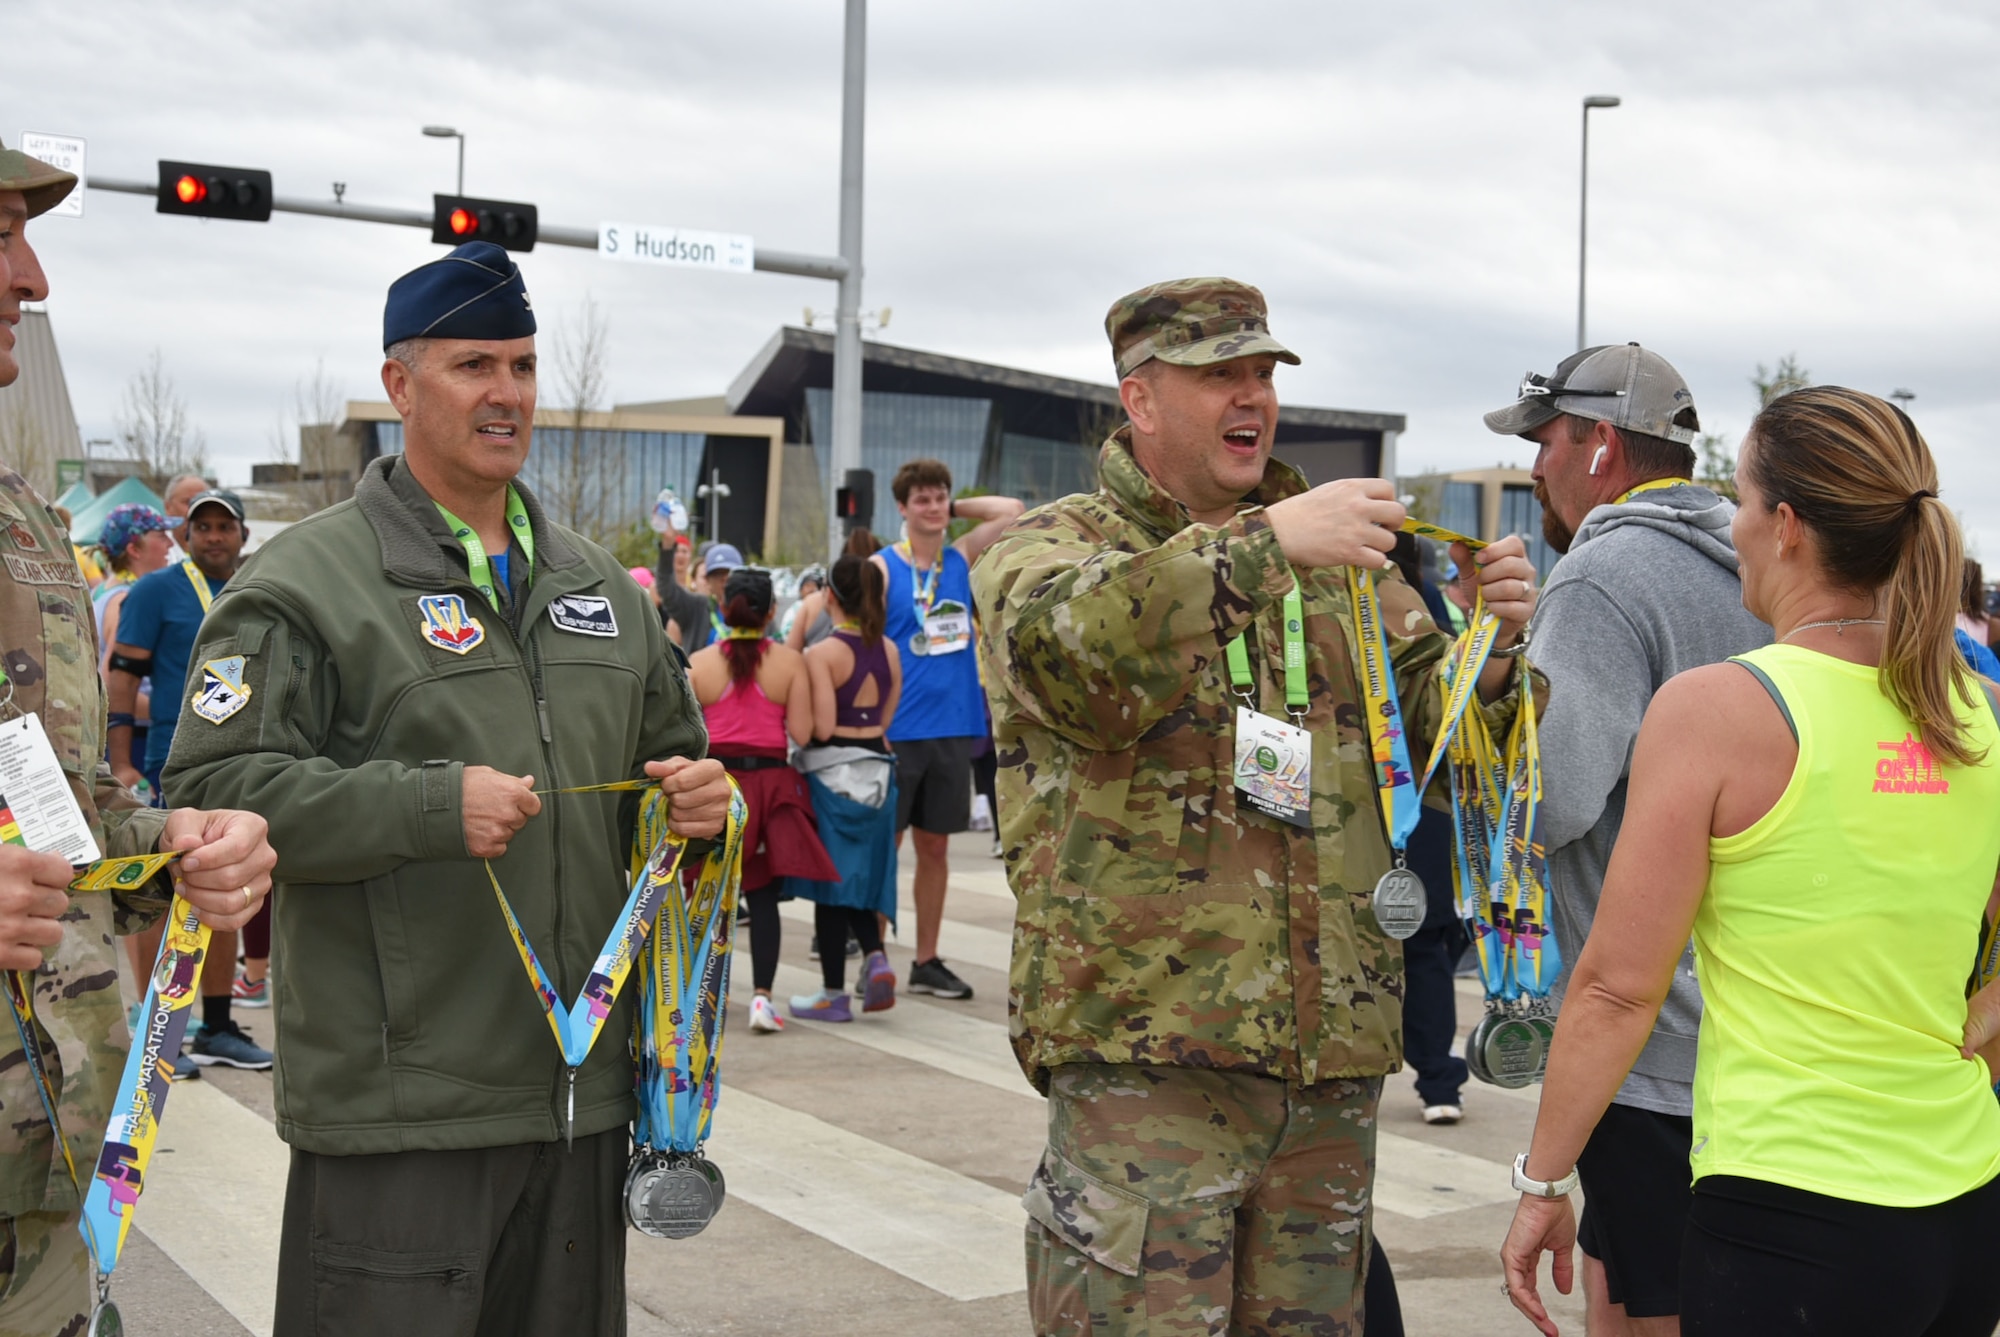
1597	460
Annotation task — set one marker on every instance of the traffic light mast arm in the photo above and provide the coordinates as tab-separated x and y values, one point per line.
771	262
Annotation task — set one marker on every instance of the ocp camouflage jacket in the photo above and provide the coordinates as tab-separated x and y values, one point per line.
1159	922
48	643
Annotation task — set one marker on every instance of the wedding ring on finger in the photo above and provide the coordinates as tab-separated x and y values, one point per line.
248	899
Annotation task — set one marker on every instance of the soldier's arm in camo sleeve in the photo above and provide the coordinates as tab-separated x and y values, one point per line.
1099	643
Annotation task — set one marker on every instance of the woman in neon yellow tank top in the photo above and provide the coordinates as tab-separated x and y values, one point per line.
1820	817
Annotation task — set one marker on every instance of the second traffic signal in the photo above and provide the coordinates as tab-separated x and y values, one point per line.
459	218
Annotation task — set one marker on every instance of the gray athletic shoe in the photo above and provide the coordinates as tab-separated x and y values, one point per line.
934	977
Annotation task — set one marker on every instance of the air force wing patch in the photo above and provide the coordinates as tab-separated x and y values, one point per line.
585	614
448	625
222	691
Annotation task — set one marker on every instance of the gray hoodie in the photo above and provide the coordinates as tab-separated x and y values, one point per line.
1647	590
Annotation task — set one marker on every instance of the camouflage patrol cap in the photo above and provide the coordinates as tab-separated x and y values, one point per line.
1191	323
43	185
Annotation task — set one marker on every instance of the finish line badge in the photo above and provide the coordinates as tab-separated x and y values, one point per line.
448	625
222	691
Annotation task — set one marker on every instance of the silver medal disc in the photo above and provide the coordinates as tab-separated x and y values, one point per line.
1399	903
1513	1052
105	1321
920	644
1475	1046
673	1197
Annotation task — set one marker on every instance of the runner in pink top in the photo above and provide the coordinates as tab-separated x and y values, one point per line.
756	699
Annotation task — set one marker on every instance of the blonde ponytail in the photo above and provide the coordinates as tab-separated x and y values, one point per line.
1858	474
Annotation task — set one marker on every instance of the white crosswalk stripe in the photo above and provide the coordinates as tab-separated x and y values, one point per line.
955	1235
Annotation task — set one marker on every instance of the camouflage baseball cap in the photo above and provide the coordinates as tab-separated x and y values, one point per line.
43	185
1191	323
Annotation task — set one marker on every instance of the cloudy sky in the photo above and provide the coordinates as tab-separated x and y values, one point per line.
1783	177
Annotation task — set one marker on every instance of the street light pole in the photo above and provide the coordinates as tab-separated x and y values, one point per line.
1583	207
447	132
846	445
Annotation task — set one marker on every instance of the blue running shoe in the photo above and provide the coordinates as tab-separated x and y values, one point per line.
229	1046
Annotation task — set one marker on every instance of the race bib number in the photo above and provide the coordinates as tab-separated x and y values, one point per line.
1273	767
37	807
948	629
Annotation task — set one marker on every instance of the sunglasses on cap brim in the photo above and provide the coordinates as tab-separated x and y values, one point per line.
1534	385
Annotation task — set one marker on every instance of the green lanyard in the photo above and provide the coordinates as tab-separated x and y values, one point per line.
478	567
1296	696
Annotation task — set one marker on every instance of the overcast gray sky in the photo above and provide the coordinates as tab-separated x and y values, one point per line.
1816	179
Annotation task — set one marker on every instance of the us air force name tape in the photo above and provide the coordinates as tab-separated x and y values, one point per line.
476	292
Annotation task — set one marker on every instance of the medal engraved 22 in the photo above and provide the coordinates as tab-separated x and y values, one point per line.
673	1196
1399	903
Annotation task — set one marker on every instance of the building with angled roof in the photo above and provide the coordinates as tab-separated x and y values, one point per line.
37	419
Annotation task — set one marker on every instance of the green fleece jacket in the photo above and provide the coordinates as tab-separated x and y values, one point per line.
339	688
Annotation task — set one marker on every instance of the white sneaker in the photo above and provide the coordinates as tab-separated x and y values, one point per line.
764	1017
1432	1113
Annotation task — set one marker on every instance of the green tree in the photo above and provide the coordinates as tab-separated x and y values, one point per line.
1785	378
1715	464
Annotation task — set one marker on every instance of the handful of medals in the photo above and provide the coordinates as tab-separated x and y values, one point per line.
1500	875
678	938
672	1190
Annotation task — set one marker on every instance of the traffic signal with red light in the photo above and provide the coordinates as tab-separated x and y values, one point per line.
854	500
456	219
203	190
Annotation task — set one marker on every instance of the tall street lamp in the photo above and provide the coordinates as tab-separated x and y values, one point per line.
446	132
1583	206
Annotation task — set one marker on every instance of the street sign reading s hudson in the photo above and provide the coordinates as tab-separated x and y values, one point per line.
645	244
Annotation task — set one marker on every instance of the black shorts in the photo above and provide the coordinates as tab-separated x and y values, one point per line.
934	784
1768	1260
1636	1192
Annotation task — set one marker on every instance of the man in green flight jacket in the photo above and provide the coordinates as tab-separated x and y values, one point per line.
389	682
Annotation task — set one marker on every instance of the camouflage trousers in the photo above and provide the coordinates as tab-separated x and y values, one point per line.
1173	1202
44	1275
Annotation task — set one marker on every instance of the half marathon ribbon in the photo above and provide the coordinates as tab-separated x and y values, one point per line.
672	1190
135	1121
1501	875
1399	896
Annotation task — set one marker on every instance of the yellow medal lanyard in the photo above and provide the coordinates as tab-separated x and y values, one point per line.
655	894
118	1174
202	590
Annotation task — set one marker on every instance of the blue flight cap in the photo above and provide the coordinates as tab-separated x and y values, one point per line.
476	292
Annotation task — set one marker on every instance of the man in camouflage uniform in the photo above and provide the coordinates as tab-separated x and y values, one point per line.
62	941
1202	992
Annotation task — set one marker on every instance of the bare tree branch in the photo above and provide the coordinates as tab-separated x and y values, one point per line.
154	429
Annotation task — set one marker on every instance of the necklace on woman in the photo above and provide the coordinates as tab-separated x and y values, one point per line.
1839	624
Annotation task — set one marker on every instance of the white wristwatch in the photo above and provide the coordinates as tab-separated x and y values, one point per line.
1539	1188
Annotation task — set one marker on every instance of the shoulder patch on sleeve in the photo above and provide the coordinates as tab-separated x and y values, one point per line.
223	691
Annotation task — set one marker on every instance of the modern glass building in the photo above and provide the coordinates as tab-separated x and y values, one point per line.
601	473
1001	429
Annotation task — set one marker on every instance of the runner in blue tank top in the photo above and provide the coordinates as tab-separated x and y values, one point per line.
941	711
